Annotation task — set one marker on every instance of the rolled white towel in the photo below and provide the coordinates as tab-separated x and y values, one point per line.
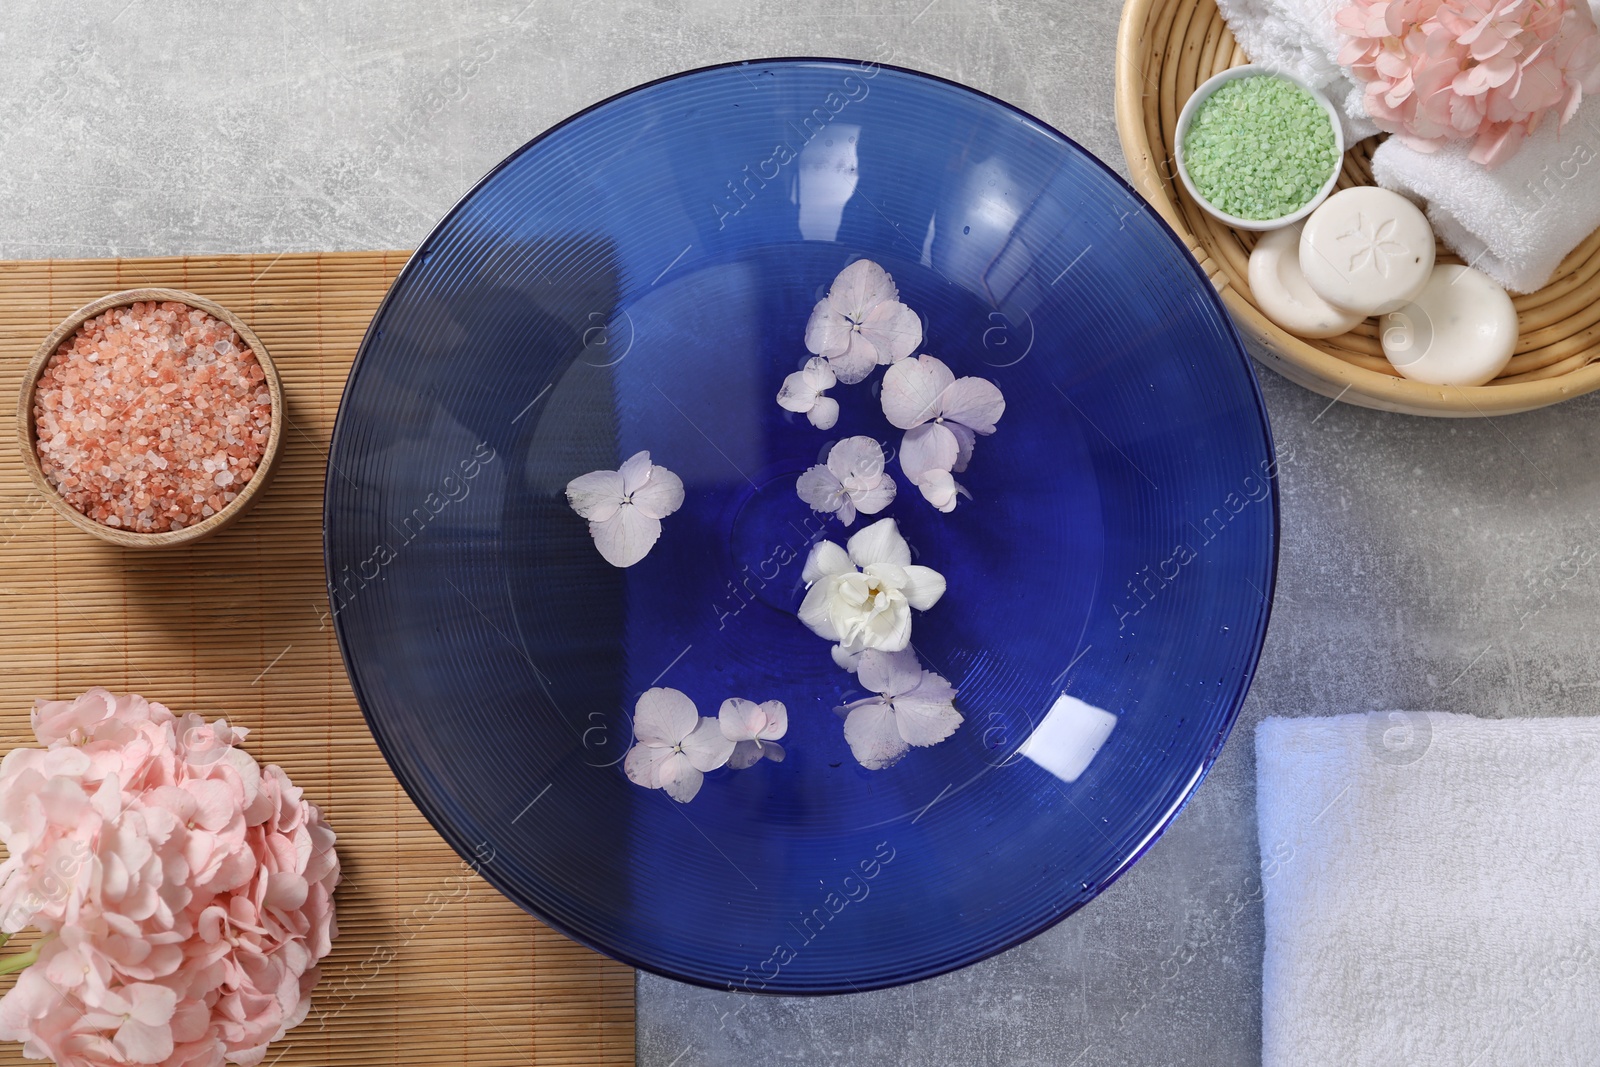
1429	884
1300	38
1517	222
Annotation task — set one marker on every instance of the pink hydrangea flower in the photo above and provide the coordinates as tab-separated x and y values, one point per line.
185	893
1488	71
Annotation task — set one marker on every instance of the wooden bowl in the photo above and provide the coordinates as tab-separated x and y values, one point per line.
1165	50
27	436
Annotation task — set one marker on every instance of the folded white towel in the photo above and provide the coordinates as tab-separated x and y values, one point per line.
1299	37
1432	890
1515	223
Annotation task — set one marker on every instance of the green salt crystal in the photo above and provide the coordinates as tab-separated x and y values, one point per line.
1260	147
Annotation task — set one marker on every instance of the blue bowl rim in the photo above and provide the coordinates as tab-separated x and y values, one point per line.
485	870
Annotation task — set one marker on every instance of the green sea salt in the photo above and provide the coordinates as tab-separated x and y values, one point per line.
1259	147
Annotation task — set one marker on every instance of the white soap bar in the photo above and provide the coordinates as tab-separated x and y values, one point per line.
1460	330
1367	250
1282	293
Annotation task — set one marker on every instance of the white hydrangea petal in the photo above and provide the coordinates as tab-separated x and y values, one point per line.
626	537
826	558
706	747
817	374
872	501
965	439
818	487
777	716
797	394
879	543
814	610
824	413
746	754
857	462
643	764
597	495
940	488
741	719
860	287
847	510
773	751
680	778
662	717
923	587
873	735
893	329
912	389
855	362
661	494
929	447
827	332
635	471
889	673
926	716
975	403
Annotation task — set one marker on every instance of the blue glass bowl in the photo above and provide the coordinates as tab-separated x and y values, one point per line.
639	277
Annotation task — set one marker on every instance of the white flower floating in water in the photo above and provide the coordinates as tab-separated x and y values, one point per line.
911	707
853	480
861	323
625	507
802	393
675	744
942	416
862	596
754	729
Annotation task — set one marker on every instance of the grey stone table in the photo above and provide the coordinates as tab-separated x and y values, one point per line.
1426	563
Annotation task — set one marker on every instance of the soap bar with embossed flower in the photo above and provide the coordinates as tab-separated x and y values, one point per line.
1367	250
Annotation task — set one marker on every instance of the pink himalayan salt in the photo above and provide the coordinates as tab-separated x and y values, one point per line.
152	417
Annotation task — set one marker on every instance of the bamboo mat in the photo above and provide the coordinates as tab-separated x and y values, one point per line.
431	965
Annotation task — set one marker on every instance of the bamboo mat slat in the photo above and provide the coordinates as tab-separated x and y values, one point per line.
432	965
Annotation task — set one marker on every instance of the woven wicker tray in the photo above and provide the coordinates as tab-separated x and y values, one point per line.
431	965
1165	49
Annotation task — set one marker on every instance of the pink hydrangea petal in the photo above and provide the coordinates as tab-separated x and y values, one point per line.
893	329
680	778
925	715
827	332
873	736
926	448
821	489
643	763
741	719
662	717
855	362
824	413
706	746
975	403
912	390
635	471
660	495
889	673
597	495
859	288
626	537
777	724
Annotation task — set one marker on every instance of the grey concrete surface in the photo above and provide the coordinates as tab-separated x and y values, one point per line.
1426	563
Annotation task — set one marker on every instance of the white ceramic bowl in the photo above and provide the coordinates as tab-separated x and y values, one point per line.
1209	86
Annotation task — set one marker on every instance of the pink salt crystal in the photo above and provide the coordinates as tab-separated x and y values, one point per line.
166	373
